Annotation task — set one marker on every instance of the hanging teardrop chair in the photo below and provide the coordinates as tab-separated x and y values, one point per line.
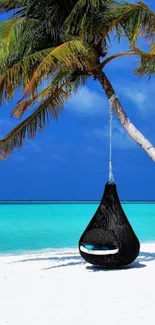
109	240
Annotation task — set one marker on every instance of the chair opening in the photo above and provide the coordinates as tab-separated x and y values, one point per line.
99	250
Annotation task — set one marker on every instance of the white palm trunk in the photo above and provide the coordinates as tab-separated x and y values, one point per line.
130	128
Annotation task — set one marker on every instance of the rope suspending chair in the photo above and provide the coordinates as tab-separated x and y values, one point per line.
109	240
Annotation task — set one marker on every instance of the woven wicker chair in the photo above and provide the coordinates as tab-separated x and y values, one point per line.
109	240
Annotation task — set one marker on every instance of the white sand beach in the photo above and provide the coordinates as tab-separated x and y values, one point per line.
59	288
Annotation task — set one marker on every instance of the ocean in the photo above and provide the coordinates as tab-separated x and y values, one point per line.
27	227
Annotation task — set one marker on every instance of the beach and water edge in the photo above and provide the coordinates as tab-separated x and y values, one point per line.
54	285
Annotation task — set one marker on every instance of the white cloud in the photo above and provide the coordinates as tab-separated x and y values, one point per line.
87	102
141	95
120	138
138	97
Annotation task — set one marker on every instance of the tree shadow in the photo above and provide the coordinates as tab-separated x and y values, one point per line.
62	261
137	264
74	260
77	260
64	265
134	265
146	257
55	259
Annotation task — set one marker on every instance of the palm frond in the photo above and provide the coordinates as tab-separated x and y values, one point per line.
70	55
52	106
7	5
131	20
20	37
81	8
49	107
69	81
8	40
146	62
16	40
50	14
83	19
19	74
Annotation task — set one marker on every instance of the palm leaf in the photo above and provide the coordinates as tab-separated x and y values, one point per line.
83	19
69	81
81	8
19	37
16	40
71	55
19	74
52	102
146	62
133	20
8	40
7	5
50	107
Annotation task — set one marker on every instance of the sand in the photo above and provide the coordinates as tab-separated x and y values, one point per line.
59	288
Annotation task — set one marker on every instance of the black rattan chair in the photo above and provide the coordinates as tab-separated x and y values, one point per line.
109	240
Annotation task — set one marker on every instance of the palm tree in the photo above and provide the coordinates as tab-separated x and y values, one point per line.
65	43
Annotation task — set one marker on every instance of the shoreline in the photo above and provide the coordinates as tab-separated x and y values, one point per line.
52	250
72	254
38	251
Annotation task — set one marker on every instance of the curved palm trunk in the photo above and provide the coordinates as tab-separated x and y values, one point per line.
130	128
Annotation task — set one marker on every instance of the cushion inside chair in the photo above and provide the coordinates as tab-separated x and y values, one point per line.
99	250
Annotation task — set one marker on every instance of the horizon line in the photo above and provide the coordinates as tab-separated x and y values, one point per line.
69	201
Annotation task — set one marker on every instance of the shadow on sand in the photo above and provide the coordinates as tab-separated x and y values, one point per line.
137	264
62	261
74	260
146	257
53	259
134	265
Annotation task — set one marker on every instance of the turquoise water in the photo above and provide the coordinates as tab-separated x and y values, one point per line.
30	227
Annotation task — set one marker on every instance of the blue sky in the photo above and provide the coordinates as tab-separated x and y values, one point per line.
69	160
